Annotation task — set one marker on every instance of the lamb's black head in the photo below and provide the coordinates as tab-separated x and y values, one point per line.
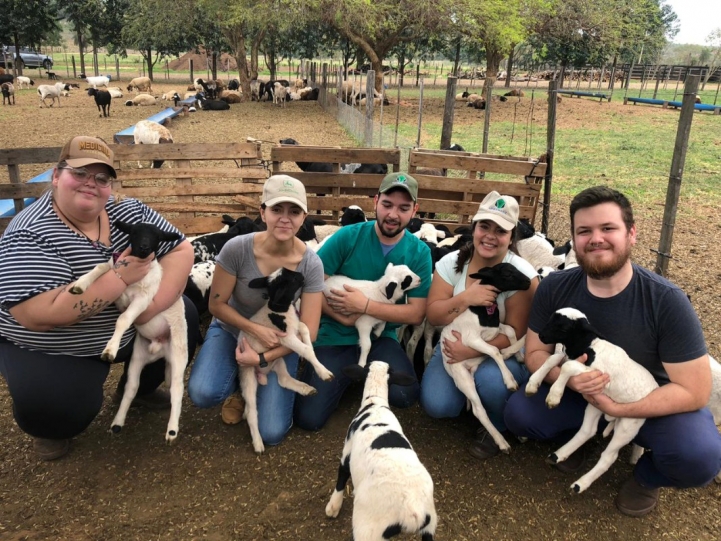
504	277
288	141
145	238
525	229
565	327
92	91
282	286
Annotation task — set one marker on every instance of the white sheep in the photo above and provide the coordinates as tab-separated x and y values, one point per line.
280	92
629	382
115	92
141	84
168	96
52	92
396	281
148	132
151	340
392	490
100	80
429	233
539	252
22	80
142	99
282	286
477	326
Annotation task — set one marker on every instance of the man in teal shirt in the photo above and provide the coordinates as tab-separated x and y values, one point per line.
362	252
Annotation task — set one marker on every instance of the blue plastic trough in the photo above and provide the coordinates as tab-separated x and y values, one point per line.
580	94
665	103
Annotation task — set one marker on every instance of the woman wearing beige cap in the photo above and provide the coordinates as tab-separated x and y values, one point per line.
452	292
50	340
214	377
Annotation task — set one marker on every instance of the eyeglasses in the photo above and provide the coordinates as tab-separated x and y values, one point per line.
103	180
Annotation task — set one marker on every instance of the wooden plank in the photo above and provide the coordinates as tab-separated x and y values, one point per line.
29	155
293	153
21	191
187	151
468	163
194	206
195	189
251	172
201	224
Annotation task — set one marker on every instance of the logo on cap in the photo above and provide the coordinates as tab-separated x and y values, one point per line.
400	179
500	204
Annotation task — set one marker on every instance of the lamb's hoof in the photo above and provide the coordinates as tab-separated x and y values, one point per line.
506	451
313	391
259	450
522	439
115	429
107	357
329	377
552	459
550	404
171	436
513	387
75	290
576	488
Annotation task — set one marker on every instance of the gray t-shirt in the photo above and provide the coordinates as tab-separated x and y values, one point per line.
237	259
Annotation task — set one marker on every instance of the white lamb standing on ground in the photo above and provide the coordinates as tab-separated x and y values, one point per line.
282	287
52	92
389	288
392	490
629	382
151	342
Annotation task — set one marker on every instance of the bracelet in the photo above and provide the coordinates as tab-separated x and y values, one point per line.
121	278
261	360
365	310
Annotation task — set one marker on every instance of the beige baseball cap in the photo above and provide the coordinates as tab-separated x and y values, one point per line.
284	189
501	209
83	150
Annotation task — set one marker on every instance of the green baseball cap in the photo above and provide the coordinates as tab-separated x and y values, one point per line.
400	180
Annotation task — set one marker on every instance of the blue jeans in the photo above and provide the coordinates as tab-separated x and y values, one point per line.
440	398
214	377
685	448
312	412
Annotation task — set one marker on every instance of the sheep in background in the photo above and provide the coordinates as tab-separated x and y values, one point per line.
8	92
392	490
22	80
140	84
100	80
463	96
142	99
231	96
168	96
147	132
257	89
234	84
115	92
280	93
164	336
396	281
102	100
52	92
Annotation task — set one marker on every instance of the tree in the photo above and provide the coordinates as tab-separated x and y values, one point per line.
376	27
81	14
714	41
27	22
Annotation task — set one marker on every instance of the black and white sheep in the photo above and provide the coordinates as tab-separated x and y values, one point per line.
102	100
629	382
477	326
396	281
151	341
282	286
392	490
52	92
22	80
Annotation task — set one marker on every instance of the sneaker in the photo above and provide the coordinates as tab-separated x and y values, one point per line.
232	410
159	399
47	449
635	500
483	446
574	463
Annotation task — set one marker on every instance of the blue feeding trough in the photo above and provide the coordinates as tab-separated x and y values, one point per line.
581	94
666	104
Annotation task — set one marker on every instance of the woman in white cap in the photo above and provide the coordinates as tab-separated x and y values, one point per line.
452	292
214	376
50	340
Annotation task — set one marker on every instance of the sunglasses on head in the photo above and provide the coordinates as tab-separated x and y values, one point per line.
103	180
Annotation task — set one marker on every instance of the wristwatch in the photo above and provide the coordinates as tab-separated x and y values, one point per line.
263	363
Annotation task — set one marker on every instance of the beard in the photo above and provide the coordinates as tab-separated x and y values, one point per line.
599	270
391	231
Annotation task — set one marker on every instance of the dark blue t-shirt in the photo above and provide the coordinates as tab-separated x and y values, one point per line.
652	319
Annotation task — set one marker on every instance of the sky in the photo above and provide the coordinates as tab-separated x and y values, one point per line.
698	19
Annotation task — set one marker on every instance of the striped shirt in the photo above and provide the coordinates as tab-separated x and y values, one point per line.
39	253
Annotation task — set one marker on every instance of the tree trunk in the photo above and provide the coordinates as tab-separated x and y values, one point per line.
493	61
150	63
254	48
18	69
81	46
457	60
562	75
509	68
377	66
401	67
270	62
214	65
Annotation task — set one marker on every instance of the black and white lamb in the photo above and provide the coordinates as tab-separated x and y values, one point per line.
392	490
396	281
629	382
279	313
477	326
151	340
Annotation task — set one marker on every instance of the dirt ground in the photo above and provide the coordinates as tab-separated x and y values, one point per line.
210	484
